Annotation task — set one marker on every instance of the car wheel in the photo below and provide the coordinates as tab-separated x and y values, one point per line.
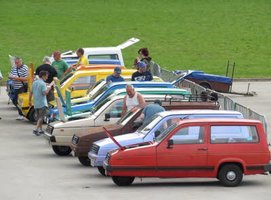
62	150
230	175
101	170
123	180
84	160
205	85
31	116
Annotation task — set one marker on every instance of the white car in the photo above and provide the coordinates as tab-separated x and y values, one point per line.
59	134
101	55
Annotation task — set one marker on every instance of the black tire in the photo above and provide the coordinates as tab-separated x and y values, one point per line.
84	161
31	116
230	175
205	85
123	180
101	170
61	150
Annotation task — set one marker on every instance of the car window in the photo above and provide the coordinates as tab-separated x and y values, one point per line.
104	57
91	90
234	134
189	135
115	109
126	118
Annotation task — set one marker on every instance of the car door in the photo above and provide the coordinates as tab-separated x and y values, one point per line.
111	114
187	156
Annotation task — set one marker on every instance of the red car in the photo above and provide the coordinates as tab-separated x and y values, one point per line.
225	149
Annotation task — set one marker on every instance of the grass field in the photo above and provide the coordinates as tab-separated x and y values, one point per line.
181	34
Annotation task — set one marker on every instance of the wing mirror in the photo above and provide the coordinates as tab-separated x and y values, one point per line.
107	117
170	144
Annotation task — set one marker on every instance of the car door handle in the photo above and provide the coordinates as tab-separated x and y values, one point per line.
202	149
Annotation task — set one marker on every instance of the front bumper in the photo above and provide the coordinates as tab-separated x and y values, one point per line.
96	160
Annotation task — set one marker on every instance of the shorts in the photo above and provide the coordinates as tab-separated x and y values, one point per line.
41	113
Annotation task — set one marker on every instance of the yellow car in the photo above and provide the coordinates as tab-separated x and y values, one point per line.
78	82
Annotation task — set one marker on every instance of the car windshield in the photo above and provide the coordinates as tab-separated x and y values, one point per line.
66	78
127	117
164	133
100	91
91	90
99	105
148	125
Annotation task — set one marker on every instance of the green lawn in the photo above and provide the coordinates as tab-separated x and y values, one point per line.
181	34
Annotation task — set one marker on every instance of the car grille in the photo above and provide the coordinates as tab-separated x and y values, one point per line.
94	148
107	157
49	129
75	139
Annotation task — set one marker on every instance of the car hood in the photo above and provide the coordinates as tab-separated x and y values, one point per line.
98	130
85	122
124	140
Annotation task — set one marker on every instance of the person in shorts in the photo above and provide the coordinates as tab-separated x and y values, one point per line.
39	90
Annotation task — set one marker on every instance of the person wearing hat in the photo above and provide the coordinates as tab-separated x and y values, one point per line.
116	76
150	110
142	74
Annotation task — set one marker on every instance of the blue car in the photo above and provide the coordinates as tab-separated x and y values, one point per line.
104	92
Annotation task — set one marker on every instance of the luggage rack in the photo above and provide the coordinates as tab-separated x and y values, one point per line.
203	97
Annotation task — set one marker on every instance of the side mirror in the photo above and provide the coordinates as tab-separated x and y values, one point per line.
137	124
107	117
170	144
157	133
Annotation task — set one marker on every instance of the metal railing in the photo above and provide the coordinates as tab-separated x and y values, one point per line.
225	102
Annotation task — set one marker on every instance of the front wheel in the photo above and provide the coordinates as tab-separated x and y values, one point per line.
61	150
84	160
230	175
101	170
123	180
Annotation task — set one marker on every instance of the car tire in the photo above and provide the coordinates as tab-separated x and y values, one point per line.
123	180
101	170
31	116
230	175
61	150
84	160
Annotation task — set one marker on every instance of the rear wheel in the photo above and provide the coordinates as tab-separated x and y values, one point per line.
123	180
230	175
62	150
84	160
101	170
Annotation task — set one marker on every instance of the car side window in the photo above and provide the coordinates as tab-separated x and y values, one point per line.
234	134
189	135
116	109
83	82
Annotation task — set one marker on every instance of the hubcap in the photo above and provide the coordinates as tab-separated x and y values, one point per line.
231	175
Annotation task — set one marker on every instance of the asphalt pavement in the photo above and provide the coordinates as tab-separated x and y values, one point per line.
30	170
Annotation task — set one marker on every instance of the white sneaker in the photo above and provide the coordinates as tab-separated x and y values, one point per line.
20	117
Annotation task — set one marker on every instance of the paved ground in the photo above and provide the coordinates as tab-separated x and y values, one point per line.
30	170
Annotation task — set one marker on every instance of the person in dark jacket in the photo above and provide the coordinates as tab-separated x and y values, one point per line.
142	74
52	76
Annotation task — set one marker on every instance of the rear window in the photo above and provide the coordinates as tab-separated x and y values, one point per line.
104	57
234	134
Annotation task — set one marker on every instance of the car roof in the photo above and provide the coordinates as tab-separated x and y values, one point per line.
139	82
101	71
154	89
198	112
219	120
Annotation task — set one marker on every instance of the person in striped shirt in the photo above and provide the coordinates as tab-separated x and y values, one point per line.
19	75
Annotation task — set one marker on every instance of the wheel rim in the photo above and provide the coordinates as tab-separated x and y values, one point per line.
231	175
